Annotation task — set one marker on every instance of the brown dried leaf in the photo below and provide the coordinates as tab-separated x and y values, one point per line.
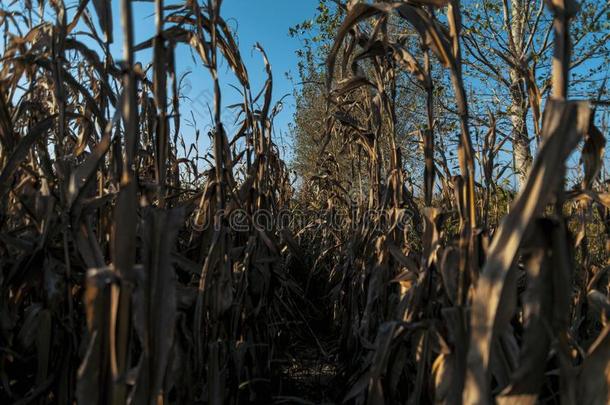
564	124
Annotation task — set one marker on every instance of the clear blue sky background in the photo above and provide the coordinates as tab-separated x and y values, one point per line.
263	21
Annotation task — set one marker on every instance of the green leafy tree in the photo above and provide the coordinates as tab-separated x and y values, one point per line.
317	35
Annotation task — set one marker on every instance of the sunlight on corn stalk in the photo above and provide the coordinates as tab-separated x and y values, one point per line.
137	269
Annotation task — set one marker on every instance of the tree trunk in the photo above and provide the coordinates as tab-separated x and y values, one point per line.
522	154
521	143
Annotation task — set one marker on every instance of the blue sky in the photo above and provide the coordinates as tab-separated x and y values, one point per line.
263	21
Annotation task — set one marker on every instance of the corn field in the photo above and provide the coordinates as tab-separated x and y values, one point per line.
124	278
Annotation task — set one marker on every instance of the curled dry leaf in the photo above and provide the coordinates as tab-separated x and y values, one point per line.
564	124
